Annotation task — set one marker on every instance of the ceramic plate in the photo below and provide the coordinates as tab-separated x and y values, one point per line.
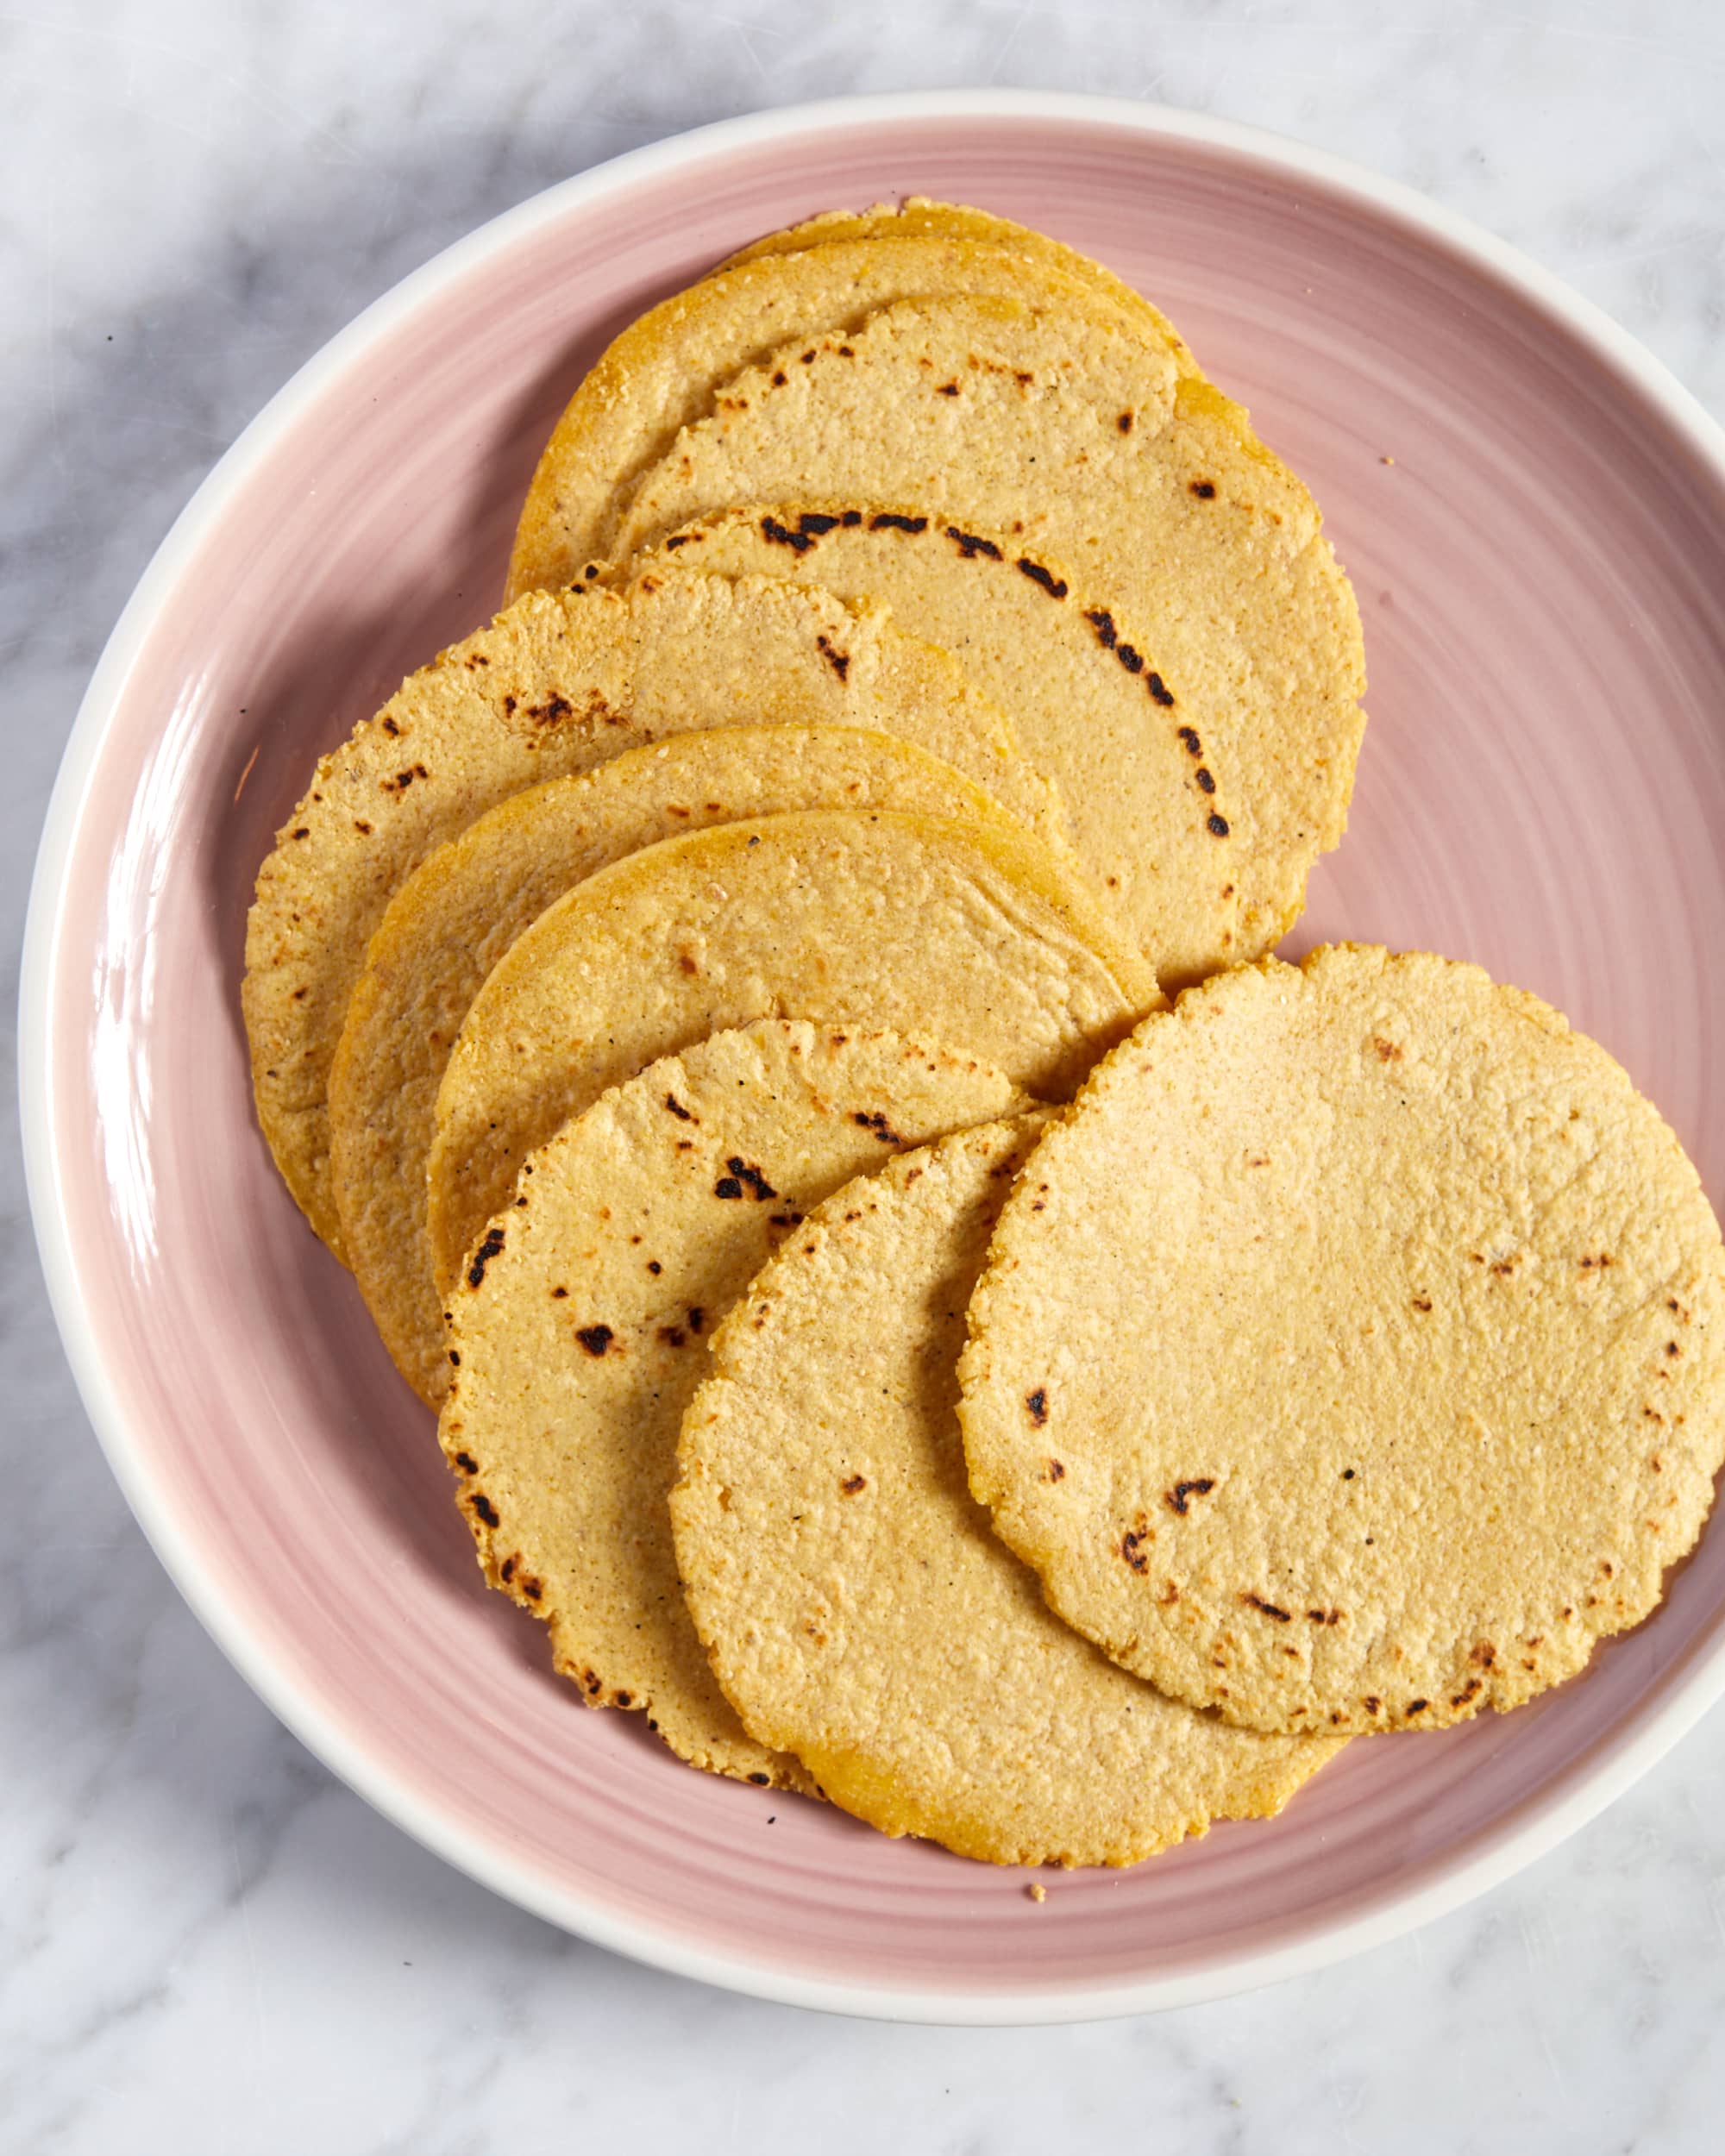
1534	516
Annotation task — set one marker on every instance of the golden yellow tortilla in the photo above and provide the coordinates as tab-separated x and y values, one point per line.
911	922
580	1332
1379	1326
859	1611
462	909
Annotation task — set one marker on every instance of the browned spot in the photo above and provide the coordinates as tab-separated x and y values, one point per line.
390	727
560	1295
1269	1609
838	660
1056	1470
1325	1616
1204	489
780	378
971	546
362	827
483	1506
483	1256
1217	826
878	1123
742	1176
673	1335
1422	1302
467	1463
1176	1499
506	1571
949	389
1468	1691
688	964
1056	586
1372	1704
1036	1402
782	536
852	1483
595	1339
1130	1552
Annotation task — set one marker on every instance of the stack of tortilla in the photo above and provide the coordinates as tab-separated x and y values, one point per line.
720	1013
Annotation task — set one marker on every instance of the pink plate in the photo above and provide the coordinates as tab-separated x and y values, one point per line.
1534	516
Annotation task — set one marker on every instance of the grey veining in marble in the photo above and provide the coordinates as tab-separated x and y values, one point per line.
206	1944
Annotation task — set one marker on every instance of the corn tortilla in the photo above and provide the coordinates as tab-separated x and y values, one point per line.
460	910
858	1610
915	923
557	683
1063	428
581	1335
1379	1326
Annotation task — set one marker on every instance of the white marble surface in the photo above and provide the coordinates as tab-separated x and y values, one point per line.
205	1944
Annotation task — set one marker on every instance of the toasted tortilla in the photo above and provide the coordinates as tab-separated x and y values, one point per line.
462	908
910	921
1142	792
858	1610
1378	1325
581	1335
557	683
1063	426
668	370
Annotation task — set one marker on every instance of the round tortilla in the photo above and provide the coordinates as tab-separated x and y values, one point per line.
859	1612
559	682
666	370
1378	1325
1064	426
460	911
967	931
579	1333
1143	803
919	218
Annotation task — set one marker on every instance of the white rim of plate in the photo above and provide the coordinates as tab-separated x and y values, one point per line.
1535	1827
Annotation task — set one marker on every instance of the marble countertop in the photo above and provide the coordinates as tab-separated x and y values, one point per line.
206	1943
